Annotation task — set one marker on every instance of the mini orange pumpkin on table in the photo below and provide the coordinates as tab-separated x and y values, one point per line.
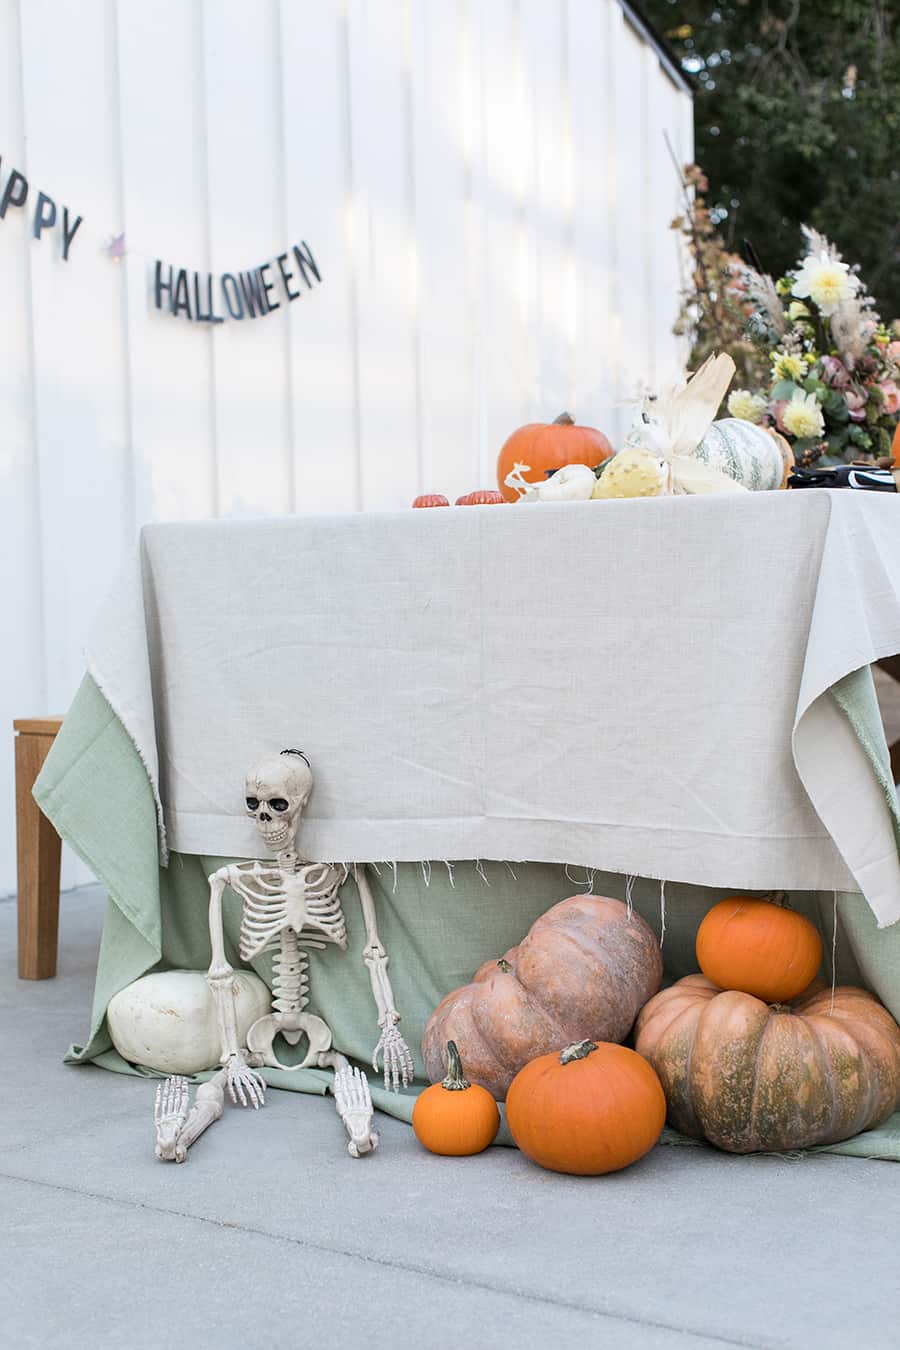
591	1109
543	446
759	947
482	497
456	1118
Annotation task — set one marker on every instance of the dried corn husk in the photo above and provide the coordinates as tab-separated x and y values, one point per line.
672	426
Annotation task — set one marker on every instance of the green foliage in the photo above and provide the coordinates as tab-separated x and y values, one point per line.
797	114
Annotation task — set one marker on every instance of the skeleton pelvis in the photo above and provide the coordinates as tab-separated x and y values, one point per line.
291	1025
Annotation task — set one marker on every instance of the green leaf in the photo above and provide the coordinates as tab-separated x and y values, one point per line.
835	407
784	389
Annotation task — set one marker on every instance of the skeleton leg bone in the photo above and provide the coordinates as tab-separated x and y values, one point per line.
176	1127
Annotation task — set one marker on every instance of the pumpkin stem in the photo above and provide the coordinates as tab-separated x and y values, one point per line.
780	1008
504	965
564	420
456	1080
779	898
580	1050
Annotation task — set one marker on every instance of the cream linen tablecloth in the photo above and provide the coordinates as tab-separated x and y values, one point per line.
641	687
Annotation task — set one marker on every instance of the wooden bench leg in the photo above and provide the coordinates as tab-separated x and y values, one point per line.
38	849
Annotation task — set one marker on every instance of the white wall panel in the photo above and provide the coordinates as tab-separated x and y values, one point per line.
487	195
164	215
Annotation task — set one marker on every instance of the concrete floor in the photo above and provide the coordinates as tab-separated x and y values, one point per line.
271	1235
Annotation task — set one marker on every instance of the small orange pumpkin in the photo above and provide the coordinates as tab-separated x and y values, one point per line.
758	947
895	446
455	1118
540	446
431	499
483	497
592	1109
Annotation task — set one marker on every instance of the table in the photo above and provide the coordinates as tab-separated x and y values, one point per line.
663	688
578	672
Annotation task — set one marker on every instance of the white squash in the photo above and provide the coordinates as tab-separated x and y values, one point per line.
167	1020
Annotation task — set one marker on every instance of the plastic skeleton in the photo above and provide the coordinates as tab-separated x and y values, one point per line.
285	903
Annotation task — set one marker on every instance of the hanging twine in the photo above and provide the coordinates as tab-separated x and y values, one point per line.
833	950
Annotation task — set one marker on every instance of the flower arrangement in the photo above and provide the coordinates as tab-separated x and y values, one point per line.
834	368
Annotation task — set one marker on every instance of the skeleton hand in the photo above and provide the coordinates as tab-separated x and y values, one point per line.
398	1060
245	1087
169	1115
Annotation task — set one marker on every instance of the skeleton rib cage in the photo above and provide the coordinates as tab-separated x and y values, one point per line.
266	922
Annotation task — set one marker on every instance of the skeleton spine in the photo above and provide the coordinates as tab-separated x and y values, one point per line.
290	975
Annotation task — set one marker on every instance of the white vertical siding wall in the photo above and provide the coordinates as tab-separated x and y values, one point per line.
486	191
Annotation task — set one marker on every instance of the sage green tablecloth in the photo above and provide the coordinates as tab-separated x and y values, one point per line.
95	790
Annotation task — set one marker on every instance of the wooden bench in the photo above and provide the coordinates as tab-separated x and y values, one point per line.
38	852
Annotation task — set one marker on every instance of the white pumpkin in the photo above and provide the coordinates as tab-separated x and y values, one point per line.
167	1020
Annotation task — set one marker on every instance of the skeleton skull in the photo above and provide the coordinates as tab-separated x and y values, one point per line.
277	790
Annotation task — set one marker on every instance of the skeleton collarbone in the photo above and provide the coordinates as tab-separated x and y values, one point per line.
302	897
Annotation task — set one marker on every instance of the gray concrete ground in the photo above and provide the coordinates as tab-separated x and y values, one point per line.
271	1235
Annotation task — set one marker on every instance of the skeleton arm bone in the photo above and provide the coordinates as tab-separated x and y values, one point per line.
243	1084
398	1062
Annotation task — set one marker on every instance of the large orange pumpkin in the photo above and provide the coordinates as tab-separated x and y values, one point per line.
753	1078
583	971
895	445
456	1118
759	947
549	445
589	1110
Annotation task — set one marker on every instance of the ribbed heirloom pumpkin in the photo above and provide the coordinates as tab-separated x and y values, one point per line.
750	1077
582	972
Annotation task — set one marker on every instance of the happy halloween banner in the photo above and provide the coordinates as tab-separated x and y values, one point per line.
200	297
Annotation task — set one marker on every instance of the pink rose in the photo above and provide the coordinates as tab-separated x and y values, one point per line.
857	404
893	351
891	396
834	372
776	409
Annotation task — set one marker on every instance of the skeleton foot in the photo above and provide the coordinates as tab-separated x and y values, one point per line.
176	1127
169	1115
354	1105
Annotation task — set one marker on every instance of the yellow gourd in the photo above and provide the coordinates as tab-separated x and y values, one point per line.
632	473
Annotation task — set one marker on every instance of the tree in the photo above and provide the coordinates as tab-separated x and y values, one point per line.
797	114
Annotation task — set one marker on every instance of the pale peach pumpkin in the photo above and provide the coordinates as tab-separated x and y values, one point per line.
582	972
752	1077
